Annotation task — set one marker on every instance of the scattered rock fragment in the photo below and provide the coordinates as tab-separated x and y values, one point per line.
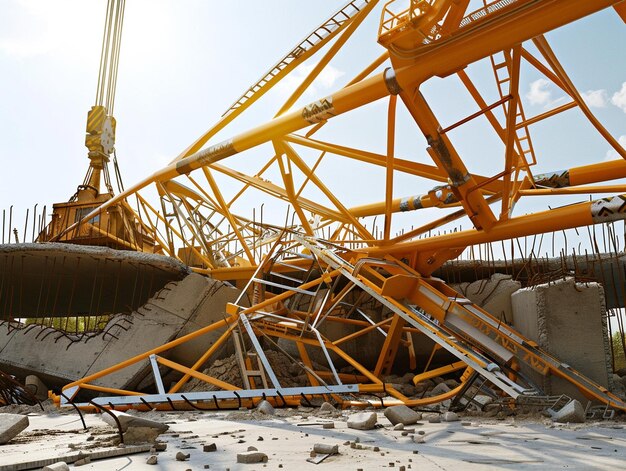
265	407
432	418
402	415
441	388
11	425
59	466
209	448
251	457
327	407
253	448
127	420
571	412
329	425
362	421
418	439
135	435
180	456
152	459
450	417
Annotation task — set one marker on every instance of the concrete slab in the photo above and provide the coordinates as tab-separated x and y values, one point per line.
52	279
11	425
558	316
179	308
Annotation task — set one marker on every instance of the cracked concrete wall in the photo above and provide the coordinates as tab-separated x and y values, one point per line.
568	320
179	308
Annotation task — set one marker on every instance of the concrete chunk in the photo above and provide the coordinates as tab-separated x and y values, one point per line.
402	415
127	420
265	407
362	421
136	435
450	417
325	449
571	412
60	466
36	387
11	425
251	457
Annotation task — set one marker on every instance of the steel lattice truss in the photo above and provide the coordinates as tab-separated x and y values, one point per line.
198	207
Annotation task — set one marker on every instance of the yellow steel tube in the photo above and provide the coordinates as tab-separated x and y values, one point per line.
582	190
154	351
600	172
391	133
544	221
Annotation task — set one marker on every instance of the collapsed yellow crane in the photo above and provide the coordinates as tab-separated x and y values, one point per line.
115	227
332	244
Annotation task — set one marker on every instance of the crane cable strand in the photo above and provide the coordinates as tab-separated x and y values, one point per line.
109	56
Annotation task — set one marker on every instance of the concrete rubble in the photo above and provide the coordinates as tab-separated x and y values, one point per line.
572	412
402	415
473	442
362	421
131	421
11	425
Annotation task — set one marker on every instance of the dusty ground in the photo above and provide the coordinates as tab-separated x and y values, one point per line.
287	438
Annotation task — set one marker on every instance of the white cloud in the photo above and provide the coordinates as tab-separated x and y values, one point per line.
324	81
619	98
539	93
611	154
595	98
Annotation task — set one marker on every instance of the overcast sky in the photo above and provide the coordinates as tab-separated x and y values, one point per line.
184	62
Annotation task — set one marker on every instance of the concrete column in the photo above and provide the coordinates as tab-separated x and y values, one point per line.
567	319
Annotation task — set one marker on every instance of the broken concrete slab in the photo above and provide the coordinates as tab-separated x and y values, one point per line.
11	425
177	309
327	407
572	412
402	415
127	420
362	421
